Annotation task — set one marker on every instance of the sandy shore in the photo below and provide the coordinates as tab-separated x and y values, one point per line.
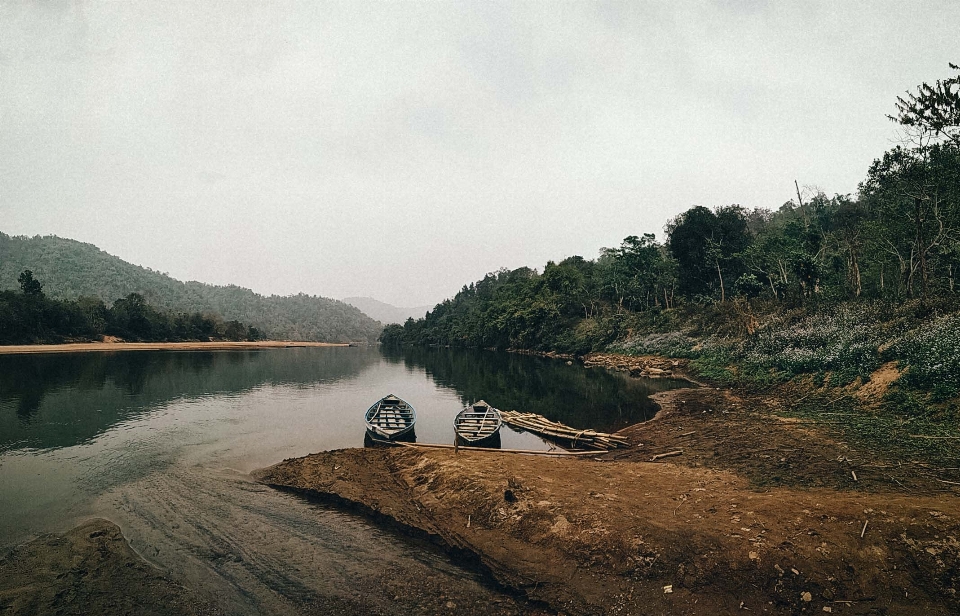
84	347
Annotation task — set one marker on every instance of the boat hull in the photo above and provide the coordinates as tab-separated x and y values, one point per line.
390	419
478	425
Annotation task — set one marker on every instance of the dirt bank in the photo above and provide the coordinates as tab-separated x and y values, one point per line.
758	513
90	570
78	347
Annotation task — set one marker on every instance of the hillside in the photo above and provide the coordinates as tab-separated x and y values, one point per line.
384	312
69	269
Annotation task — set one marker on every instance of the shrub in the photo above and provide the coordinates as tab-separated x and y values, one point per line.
931	354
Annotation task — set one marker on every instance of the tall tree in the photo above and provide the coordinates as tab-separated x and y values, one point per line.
707	245
933	110
29	285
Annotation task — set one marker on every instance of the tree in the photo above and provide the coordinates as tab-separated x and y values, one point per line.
914	198
707	245
933	109
30	285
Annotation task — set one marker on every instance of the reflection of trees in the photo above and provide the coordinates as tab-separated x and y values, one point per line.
60	400
579	397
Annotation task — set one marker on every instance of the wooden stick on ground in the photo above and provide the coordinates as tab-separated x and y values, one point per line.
666	455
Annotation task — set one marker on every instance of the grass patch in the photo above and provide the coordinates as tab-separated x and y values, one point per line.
892	431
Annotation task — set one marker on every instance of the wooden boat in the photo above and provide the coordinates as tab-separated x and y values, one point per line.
390	418
478	424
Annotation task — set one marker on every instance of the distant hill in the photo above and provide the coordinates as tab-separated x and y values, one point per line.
69	269
385	313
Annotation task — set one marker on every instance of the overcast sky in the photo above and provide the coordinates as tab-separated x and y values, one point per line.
399	150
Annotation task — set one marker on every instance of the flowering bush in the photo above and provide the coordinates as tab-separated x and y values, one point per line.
670	344
932	356
844	340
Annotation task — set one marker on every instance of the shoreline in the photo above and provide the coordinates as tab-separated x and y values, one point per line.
85	347
756	511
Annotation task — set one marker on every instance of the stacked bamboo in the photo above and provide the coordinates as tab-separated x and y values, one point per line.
539	424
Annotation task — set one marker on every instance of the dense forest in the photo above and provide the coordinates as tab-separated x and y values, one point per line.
30	317
814	282
70	270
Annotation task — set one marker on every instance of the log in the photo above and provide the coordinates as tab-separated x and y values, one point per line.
669	454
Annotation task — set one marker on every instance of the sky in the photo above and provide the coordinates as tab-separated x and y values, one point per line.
400	150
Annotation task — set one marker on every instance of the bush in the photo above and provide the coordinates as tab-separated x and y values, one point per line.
843	340
931	354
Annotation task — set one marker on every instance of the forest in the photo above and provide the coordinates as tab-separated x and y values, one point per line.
823	283
30	317
71	270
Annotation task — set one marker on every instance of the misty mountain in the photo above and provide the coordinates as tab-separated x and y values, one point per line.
69	269
385	313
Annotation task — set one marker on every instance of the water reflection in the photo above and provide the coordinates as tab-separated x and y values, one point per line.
581	398
62	400
77	428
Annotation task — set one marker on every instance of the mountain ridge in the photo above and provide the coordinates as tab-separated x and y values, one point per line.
69	269
384	312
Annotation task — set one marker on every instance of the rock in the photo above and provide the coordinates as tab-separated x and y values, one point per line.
668	589
806	597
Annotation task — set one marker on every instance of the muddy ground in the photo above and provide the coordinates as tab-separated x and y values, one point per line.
90	570
760	513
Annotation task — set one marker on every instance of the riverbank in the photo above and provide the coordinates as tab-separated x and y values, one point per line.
760	511
85	347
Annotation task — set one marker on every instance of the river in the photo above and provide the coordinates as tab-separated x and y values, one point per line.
162	443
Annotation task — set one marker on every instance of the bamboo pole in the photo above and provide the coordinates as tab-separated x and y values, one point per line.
490	449
541	425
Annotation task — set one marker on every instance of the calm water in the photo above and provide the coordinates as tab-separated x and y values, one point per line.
161	443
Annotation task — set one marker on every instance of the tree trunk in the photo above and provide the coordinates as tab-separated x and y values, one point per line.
921	249
723	295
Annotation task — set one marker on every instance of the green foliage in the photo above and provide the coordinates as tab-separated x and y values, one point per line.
71	270
28	284
749	286
31	318
931	353
933	109
707	245
843	339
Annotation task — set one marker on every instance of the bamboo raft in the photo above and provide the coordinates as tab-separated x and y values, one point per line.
539	424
